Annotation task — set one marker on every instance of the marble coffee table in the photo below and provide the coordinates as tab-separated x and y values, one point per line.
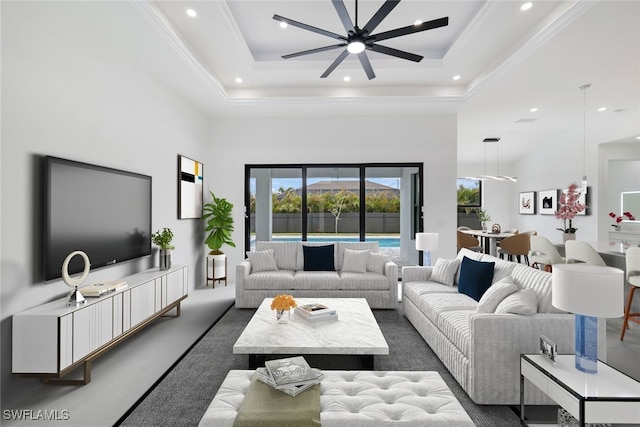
354	333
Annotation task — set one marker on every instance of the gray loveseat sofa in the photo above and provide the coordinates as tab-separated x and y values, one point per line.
481	346
279	267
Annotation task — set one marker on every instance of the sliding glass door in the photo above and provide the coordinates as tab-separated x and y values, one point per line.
352	202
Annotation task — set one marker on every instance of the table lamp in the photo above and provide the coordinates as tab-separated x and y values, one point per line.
427	242
590	292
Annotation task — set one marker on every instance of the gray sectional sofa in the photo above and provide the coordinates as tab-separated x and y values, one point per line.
279	267
480	342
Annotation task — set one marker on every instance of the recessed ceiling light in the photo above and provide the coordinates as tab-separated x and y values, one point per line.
456	77
602	109
238	79
638	137
534	109
526	6
418	22
283	25
346	78
192	13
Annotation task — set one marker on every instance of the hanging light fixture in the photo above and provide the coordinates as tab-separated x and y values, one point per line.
584	88
496	177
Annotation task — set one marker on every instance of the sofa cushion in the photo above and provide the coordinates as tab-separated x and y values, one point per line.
464	252
318	258
262	261
361	281
444	271
455	326
538	281
276	280
285	253
376	262
314	280
523	301
300	253
475	277
356	246
355	261
495	294
501	269
413	290
434	305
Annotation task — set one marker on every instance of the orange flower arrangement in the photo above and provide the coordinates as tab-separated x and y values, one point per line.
283	302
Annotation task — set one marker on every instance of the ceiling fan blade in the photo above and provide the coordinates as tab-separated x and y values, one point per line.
335	63
343	14
364	60
309	28
410	29
316	50
382	13
395	52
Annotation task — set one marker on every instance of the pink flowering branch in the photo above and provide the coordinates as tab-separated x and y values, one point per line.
569	207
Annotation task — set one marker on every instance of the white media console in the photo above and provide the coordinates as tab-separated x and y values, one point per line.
53	339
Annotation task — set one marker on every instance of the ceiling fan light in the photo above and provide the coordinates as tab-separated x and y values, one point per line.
355	47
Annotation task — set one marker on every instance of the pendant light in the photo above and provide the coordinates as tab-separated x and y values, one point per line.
496	177
502	177
584	88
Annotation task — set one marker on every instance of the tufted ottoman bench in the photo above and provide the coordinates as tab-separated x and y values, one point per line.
359	398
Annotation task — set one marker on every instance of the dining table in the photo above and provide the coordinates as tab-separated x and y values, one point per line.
490	239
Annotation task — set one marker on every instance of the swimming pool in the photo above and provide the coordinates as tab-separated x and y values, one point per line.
383	242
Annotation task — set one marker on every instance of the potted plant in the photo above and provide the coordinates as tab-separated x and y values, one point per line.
484	217
219	226
163	238
569	207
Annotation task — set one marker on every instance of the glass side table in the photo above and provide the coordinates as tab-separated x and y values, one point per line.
609	396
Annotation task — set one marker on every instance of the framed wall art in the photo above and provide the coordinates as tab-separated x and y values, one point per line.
547	202
527	203
583	199
190	188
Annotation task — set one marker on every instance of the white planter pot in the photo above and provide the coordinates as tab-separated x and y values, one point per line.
217	266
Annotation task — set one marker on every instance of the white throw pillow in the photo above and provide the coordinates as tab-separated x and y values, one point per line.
495	294
376	262
444	271
525	301
262	261
355	261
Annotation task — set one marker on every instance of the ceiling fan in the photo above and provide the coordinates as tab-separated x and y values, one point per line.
358	40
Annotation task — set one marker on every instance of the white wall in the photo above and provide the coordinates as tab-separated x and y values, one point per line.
274	140
67	92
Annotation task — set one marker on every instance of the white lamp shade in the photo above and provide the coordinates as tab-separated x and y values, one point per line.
589	290
426	241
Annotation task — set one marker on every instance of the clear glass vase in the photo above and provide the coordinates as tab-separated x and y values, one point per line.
282	316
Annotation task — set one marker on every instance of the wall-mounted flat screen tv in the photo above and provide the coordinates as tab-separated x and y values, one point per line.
101	211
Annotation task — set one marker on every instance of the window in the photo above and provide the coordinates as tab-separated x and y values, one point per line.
469	202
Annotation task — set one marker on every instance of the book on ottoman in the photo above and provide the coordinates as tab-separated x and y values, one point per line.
290	389
290	370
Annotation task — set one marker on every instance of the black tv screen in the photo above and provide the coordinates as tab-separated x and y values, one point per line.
101	211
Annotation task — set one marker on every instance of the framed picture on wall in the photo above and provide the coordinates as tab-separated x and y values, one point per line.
547	202
190	187
527	203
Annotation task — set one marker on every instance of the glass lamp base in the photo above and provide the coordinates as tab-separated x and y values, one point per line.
586	344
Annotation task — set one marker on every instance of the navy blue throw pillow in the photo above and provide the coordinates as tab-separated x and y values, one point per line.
475	277
318	258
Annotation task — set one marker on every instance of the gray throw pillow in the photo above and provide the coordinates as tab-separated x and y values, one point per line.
355	261
262	261
376	262
444	271
495	294
524	301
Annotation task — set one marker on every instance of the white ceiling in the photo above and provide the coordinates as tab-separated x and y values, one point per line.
509	61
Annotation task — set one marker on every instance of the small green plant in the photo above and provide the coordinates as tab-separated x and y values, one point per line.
483	216
163	238
219	223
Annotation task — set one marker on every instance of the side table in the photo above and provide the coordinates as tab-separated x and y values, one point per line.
609	396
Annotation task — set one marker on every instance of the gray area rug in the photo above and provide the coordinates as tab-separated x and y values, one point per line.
183	396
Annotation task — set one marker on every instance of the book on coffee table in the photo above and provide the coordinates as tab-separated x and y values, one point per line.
319	317
314	310
290	370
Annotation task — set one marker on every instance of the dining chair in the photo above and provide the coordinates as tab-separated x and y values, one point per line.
468	241
517	245
464	227
544	253
578	251
632	261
